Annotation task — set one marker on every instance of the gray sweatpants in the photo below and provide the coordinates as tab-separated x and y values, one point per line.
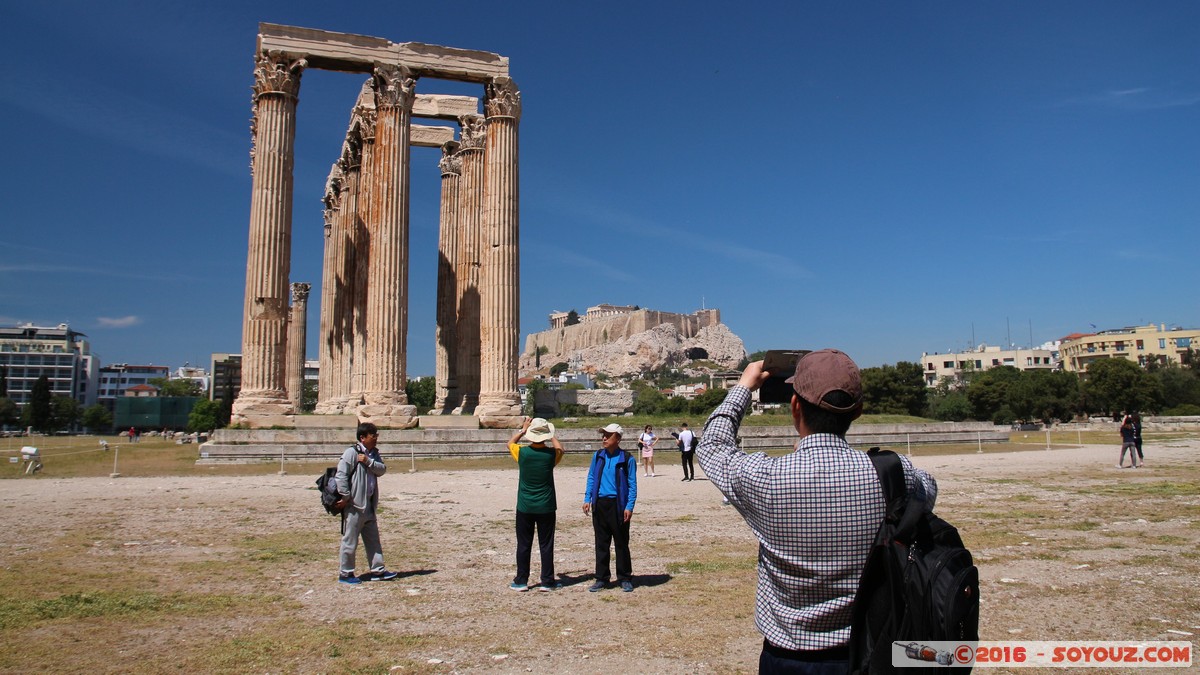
361	523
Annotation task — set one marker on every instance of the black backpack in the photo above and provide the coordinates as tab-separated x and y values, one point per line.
919	584
327	486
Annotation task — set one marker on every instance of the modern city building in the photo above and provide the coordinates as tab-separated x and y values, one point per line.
226	372
117	378
63	355
1139	344
197	375
952	365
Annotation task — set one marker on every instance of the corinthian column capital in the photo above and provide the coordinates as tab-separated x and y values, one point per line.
502	99
276	73
451	161
300	292
395	87
474	132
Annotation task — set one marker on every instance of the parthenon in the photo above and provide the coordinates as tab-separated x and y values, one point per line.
364	284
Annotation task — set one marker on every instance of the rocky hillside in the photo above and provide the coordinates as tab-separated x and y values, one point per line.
660	346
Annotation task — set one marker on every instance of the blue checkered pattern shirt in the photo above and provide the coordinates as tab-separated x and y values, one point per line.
815	512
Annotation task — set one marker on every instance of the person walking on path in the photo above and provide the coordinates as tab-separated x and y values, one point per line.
609	498
1128	444
687	451
536	500
358	473
646	443
815	511
1136	418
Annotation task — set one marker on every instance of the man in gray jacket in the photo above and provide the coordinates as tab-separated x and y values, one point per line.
357	482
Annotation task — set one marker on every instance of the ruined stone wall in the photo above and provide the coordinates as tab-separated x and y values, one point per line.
549	403
563	341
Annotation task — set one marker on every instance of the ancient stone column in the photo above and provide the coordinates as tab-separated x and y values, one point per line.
344	303
360	242
268	261
445	373
466	329
329	349
385	401
297	335
500	273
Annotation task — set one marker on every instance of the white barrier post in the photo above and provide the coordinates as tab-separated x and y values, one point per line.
116	453
412	456
1047	439
1079	436
979	437
908	440
281	471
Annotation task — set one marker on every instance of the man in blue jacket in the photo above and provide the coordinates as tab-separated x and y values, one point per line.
358	472
609	498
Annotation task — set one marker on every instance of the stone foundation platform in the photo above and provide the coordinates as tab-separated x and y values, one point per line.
434	439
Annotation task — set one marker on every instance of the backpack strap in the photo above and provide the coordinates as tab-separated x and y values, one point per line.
895	492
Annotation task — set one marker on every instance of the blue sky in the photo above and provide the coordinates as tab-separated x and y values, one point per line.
884	177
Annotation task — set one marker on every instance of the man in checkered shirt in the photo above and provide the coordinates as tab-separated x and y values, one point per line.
815	511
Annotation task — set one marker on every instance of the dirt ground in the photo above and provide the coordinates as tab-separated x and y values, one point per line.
238	573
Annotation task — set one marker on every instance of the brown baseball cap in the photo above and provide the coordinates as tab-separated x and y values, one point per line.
823	372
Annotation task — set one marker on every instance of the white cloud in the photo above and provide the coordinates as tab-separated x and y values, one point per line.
1136	98
119	322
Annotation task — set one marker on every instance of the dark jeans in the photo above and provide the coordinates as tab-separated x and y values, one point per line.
689	470
545	532
608	520
1138	442
774	659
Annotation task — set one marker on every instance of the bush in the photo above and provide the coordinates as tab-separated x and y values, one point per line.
1185	410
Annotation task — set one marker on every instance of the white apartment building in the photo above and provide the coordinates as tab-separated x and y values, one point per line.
63	355
937	366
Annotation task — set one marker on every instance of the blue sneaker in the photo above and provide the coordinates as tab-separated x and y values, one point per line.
381	576
546	588
348	579
520	588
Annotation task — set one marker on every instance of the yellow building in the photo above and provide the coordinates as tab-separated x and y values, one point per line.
1140	344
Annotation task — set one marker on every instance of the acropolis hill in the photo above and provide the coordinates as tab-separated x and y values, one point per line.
620	340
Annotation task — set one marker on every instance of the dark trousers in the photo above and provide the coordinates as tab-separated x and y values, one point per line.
545	532
774	659
1138	442
608	520
689	470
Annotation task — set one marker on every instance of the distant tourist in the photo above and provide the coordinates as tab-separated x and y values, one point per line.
646	445
687	450
609	498
536	500
1136	418
1128	444
358	473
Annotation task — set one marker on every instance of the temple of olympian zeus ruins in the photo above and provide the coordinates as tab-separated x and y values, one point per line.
364	284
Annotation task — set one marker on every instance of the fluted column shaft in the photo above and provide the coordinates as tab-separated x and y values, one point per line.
346	269
500	276
445	371
296	343
387	289
268	264
329	347
361	244
470	194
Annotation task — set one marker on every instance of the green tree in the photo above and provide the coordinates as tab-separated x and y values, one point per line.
647	400
10	413
205	416
1180	386
704	404
178	387
531	390
949	404
894	390
64	412
38	411
572	318
421	392
97	419
1044	395
308	395
226	405
1114	385
988	394
674	405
